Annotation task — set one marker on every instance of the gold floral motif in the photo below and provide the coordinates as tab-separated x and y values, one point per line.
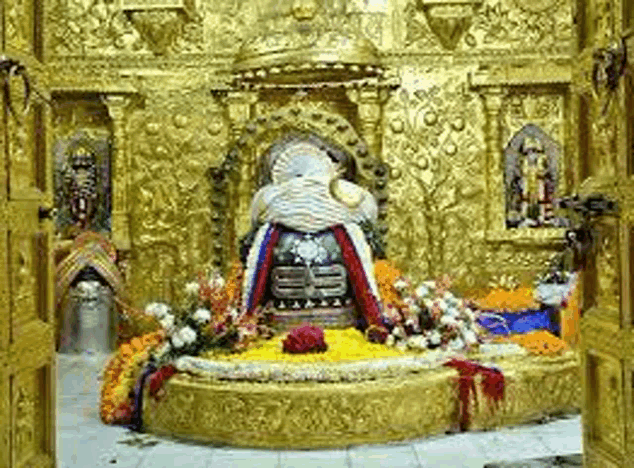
24	407
309	415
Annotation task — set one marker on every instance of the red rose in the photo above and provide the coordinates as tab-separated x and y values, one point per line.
305	339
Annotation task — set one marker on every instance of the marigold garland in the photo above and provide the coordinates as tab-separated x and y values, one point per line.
386	275
121	371
540	342
516	300
343	345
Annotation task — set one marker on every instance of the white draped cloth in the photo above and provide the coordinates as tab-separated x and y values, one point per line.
300	197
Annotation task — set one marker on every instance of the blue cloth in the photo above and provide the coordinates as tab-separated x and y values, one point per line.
521	322
137	411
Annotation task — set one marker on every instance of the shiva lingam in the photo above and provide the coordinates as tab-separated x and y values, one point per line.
309	259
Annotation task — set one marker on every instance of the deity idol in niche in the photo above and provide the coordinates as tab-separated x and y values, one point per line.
535	196
308	257
531	166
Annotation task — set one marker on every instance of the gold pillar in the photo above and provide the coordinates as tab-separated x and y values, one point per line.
118	109
369	101
239	107
493	97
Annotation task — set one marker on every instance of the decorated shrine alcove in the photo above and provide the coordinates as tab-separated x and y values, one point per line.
246	167
530	178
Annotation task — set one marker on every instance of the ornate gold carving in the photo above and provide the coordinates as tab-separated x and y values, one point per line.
169	193
608	269
104	28
18	18
24	414
433	145
545	25
119	109
449	19
309	414
606	390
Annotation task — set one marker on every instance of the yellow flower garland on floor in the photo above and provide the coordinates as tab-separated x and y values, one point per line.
343	345
122	371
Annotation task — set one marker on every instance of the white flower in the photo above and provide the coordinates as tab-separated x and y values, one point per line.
470	337
157	309
167	322
470	314
434	337
400	284
411	322
448	321
177	342
428	303
234	314
202	316
450	298
163	349
192	288
443	305
398	332
421	291
217	282
431	285
417	342
390	341
456	344
187	335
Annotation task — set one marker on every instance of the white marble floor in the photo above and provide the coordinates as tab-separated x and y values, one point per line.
83	441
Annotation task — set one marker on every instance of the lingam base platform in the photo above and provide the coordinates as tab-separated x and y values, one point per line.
303	406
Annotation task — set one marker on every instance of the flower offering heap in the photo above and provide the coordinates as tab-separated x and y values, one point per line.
210	318
429	316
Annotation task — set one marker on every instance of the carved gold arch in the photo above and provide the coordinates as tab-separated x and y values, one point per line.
235	181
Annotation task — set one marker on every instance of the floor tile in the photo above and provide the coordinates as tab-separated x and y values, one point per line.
384	456
458	450
96	450
241	458
169	454
506	446
314	459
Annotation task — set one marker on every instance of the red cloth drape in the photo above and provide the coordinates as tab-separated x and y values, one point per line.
159	377
368	304
492	385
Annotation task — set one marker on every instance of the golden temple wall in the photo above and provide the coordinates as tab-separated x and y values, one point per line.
467	84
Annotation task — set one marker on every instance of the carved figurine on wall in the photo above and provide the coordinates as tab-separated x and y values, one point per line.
531	159
82	182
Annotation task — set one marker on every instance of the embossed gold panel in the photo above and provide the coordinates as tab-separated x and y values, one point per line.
608	269
27	359
606	402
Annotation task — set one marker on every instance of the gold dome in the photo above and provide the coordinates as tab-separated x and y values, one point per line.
307	55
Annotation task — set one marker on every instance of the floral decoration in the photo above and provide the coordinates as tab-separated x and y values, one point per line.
120	376
428	316
211	317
